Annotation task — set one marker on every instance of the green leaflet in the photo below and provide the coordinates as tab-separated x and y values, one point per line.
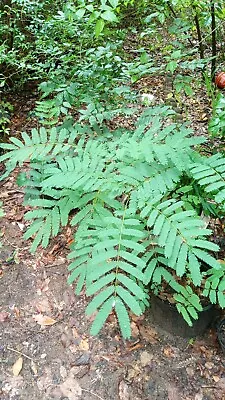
207	258
182	260
210	175
170	242
33	229
102	316
103	281
55	215
123	318
195	269
131	286
132	258
182	310
149	271
81	214
192	312
130	300
74	275
81	260
37	239
81	281
47	229
221	299
99	299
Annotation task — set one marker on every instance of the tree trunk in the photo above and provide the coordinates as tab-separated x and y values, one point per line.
213	35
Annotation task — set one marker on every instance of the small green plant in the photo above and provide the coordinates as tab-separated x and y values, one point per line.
132	232
210	86
5	110
217	123
183	83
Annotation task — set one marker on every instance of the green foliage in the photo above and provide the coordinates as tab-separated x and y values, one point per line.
5	110
215	286
135	197
217	123
132	229
209	173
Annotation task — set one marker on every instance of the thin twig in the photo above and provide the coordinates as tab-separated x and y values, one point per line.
209	386
94	394
19	352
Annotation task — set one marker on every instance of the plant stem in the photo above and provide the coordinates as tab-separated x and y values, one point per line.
198	28
213	33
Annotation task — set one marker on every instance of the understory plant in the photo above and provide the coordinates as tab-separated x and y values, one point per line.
119	189
217	122
5	110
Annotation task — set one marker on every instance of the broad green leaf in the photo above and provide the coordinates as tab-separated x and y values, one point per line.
114	3
80	13
99	26
109	16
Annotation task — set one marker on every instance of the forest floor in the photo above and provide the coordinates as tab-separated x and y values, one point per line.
46	350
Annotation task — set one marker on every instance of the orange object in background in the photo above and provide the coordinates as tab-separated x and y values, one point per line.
220	80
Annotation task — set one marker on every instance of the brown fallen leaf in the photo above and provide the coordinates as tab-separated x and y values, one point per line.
17	312
75	333
70	388
145	358
149	334
209	365
173	393
33	367
134	330
135	347
17	367
123	391
199	396
168	352
4	316
44	320
84	345
43	306
221	384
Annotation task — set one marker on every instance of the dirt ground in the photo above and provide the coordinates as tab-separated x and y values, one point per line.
47	352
